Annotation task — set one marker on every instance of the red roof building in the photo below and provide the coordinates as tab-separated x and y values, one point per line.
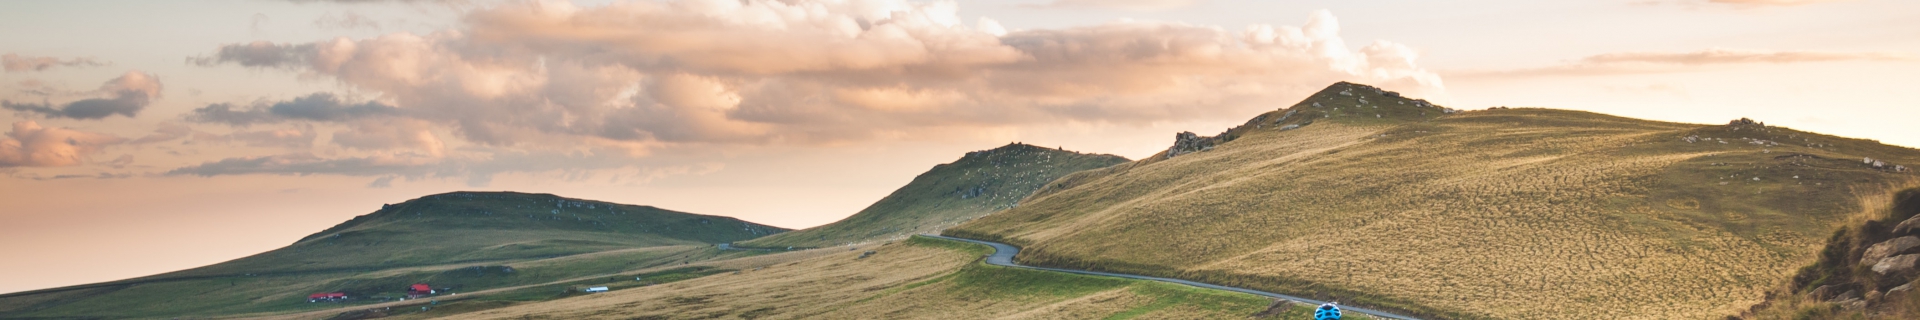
329	296
421	287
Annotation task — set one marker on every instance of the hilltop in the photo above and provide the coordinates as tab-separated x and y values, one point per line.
979	183
1366	196
463	241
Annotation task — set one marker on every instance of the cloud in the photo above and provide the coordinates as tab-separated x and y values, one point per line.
307	163
30	145
392	134
1121	4
1662	62
297	137
630	77
258	54
381	183
1738	3
125	95
313	107
18	63
346	21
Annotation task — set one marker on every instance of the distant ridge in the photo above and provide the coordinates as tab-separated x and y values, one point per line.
464	240
978	183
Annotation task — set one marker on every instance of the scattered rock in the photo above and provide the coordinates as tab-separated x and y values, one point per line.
1889	248
1744	122
1897	264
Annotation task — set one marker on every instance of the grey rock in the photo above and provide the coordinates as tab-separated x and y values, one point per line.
1889	248
1897	264
1907	226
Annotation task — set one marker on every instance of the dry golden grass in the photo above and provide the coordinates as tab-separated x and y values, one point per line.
917	279
1516	214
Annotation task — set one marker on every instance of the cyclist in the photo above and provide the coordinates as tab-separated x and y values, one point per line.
1328	311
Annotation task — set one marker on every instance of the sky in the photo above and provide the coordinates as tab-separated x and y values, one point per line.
146	136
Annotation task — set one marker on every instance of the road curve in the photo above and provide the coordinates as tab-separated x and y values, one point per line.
1003	256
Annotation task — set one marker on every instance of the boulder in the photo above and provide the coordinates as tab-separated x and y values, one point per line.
1907	226
1897	264
1889	248
1824	292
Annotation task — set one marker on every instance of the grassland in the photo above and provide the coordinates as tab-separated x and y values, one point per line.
977	184
1510	213
918	278
463	241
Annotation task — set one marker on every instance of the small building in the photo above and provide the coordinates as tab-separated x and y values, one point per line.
597	289
419	290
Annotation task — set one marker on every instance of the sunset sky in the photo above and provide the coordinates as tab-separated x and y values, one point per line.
151	136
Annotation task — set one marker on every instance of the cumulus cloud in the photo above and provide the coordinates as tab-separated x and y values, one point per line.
653	74
30	145
1658	62
18	63
125	95
1122	4
313	107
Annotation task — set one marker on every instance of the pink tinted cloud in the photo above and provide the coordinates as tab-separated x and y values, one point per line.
1661	62
19	63
652	74
31	145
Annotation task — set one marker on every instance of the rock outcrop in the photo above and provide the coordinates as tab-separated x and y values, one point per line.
1188	142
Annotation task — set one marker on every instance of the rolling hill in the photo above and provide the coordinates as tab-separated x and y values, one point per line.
1362	195
463	241
977	184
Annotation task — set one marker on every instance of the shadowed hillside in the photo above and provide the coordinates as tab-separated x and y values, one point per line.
1360	195
462	241
977	184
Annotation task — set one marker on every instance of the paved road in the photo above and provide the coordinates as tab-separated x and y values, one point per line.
1003	256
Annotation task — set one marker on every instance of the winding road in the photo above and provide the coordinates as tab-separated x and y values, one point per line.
1003	256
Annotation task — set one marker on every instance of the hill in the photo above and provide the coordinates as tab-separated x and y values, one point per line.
462	241
979	183
917	278
1362	195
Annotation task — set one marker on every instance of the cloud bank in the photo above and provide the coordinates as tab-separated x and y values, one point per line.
18	63
125	95
646	74
1661	62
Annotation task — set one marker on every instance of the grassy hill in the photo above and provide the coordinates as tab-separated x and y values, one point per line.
918	278
1361	195
464	241
977	184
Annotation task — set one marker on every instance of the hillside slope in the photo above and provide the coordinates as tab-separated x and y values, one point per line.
1364	196
462	240
977	184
